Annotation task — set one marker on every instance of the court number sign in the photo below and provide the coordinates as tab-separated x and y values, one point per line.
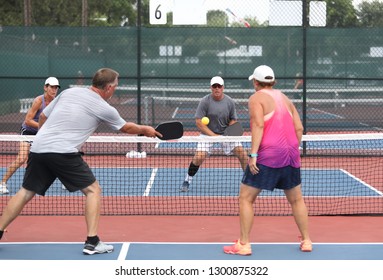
157	11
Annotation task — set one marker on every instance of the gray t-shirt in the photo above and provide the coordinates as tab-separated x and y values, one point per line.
220	113
72	117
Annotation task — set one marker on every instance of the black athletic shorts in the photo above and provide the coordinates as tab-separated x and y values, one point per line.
270	178
42	169
24	131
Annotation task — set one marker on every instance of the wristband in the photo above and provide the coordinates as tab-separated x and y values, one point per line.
253	155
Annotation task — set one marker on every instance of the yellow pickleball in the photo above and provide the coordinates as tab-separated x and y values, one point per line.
205	120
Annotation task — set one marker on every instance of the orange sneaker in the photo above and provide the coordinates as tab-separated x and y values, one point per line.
238	249
306	245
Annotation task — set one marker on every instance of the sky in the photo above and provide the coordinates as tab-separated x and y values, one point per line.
242	8
260	8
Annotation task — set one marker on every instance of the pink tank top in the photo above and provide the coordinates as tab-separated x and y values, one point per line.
279	146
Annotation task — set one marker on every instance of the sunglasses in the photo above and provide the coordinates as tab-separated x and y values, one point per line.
216	86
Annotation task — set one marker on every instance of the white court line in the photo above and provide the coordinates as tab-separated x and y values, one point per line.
327	113
256	243
341	117
125	245
124	251
150	182
362	182
175	113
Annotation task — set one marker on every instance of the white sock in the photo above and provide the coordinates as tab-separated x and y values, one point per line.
188	178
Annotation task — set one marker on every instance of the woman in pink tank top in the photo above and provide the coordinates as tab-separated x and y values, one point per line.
274	160
279	146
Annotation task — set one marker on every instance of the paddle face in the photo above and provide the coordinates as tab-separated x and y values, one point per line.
234	130
170	130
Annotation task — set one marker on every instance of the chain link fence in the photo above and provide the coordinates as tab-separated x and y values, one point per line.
333	75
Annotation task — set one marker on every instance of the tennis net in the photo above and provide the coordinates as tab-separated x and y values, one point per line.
342	174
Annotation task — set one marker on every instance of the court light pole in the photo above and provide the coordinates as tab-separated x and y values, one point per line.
84	24
27	22
27	13
84	13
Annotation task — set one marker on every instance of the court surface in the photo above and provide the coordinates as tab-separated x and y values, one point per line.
43	246
152	239
191	251
154	182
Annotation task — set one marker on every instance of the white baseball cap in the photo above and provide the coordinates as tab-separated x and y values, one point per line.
52	81
216	80
263	73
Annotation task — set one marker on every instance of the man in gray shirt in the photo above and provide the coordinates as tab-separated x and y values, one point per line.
220	109
64	126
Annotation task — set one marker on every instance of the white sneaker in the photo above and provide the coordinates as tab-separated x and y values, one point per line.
100	248
3	188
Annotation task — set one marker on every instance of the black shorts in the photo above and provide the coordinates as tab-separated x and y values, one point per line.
24	131
70	169
270	178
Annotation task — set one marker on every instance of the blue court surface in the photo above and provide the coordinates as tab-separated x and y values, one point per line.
191	251
166	182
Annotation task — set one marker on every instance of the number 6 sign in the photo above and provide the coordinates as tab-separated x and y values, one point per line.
157	11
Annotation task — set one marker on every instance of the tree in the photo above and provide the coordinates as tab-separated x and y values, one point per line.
56	13
68	13
11	12
113	11
371	14
341	13
251	20
217	18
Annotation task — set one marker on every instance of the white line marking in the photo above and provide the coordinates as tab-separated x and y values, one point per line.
362	182
175	113
150	182
124	251
327	113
